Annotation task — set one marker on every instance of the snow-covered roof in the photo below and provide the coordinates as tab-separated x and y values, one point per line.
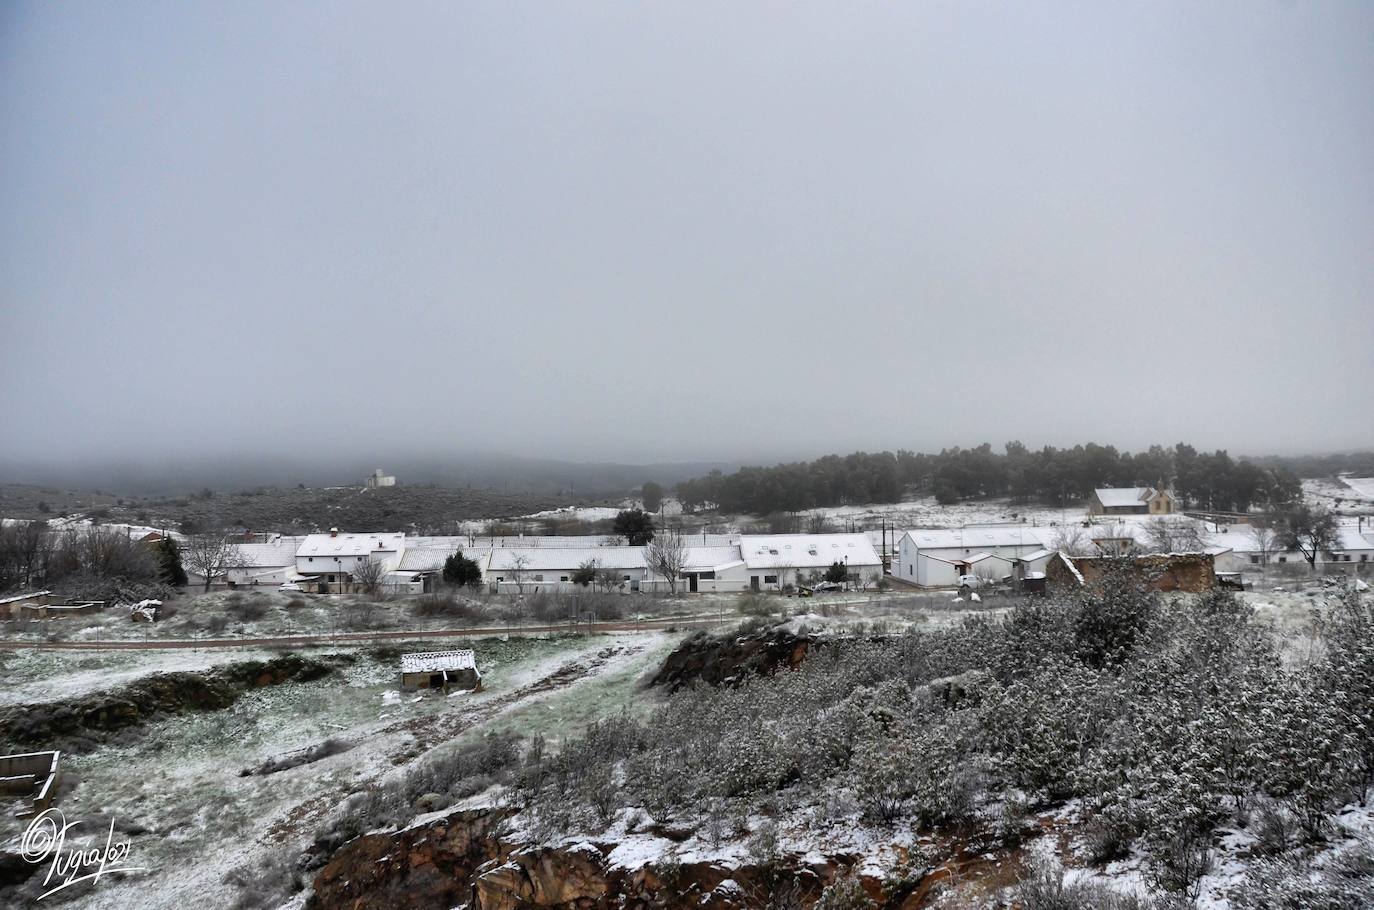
350	544
569	558
438	661
807	551
980	538
1115	497
431	559
1349	538
1037	555
15	598
707	558
280	552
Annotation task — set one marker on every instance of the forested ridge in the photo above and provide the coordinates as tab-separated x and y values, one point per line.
1056	476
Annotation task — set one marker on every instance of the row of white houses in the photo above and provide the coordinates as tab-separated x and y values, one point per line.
925	557
937	558
746	562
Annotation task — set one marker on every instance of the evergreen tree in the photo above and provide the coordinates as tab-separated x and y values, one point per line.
169	566
636	526
461	571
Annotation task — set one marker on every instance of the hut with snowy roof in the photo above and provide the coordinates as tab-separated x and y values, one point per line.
440	670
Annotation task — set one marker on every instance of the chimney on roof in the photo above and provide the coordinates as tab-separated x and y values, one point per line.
333	532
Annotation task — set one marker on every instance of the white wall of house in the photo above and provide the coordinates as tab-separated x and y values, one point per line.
261	575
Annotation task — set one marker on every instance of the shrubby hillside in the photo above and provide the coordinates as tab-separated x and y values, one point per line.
1157	723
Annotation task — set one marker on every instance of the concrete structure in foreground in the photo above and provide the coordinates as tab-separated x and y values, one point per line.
33	777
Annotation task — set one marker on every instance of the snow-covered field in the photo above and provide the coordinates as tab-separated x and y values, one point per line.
174	789
1363	487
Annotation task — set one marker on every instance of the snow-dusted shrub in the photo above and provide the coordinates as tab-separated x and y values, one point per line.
1276	830
844	893
1311	753
1046	888
1345	882
1178	864
882	776
1348	670
265	884
1040	729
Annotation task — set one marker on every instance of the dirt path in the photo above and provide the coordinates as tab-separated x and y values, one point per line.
646	625
420	734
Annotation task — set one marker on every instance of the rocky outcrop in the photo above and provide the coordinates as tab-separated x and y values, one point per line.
729	659
461	860
424	866
85	719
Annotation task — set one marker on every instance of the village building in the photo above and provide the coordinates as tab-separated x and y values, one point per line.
422	568
776	561
329	561
377	479
713	568
15	604
1131	501
270	562
1249	548
440	670
935	558
523	570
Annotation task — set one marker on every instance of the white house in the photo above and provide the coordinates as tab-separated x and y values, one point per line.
937	557
774	561
512	570
718	568
269	563
332	559
1245	552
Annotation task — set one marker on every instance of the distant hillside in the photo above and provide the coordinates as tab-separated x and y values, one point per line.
404	508
159	475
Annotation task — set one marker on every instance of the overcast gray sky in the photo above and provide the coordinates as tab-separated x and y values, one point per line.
684	230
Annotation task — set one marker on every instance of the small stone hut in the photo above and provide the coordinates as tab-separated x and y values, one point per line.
440	670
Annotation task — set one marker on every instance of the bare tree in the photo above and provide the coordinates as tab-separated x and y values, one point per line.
608	579
211	554
369	575
518	564
1116	540
817	523
25	550
1172	535
1308	529
1072	540
1266	539
666	554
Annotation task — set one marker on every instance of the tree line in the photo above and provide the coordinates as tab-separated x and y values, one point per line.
1056	476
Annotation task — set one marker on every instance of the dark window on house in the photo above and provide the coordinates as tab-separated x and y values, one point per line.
539	578
562	578
770	579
